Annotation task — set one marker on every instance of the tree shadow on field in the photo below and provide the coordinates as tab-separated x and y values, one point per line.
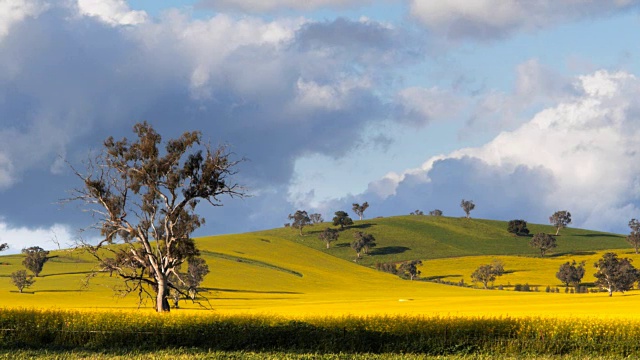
57	291
389	250
600	235
573	253
253	291
361	226
67	273
441	277
341	245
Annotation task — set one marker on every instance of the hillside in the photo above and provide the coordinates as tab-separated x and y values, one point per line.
266	272
401	238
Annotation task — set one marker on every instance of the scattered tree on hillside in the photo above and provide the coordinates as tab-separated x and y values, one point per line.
21	280
488	273
391	268
436	212
188	283
362	243
35	258
4	247
571	273
145	197
342	219
359	209
329	235
299	220
543	242
560	220
615	274
634	236
417	212
467	206
410	269
367	240
518	227
316	218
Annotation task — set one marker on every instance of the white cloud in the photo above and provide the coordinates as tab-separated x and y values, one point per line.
588	147
258	6
48	238
112	12
14	11
488	19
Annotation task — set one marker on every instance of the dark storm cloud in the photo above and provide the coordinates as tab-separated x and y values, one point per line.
67	82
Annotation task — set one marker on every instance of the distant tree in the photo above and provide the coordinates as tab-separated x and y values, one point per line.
518	227
359	209
21	280
634	240
299	220
543	242
417	212
35	258
342	219
329	235
387	267
571	273
615	274
410	268
634	236
316	218
467	206
436	212
188	283
4	247
488	273
367	241
560	220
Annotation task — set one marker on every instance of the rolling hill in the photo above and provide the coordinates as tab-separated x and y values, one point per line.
279	272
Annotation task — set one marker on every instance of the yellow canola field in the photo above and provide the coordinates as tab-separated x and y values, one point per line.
253	274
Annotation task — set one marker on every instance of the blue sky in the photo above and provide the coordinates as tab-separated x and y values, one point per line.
524	107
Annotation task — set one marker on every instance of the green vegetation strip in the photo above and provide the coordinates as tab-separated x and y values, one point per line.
58	330
188	354
250	262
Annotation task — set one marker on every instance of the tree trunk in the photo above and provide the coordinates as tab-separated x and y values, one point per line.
162	304
328	245
557	230
610	290
360	217
636	249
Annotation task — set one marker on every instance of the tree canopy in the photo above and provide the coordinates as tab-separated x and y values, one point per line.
299	220
518	227
34	259
543	242
359	209
488	273
571	273
615	274
145	197
342	219
467	206
560	220
328	236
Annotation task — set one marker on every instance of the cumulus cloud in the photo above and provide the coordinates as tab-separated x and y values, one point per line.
536	86
582	154
112	12
53	237
14	11
259	6
491	19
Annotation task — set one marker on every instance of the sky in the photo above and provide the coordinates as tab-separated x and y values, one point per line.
524	107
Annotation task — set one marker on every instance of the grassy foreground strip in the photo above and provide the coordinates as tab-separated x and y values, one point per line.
188	354
138	331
